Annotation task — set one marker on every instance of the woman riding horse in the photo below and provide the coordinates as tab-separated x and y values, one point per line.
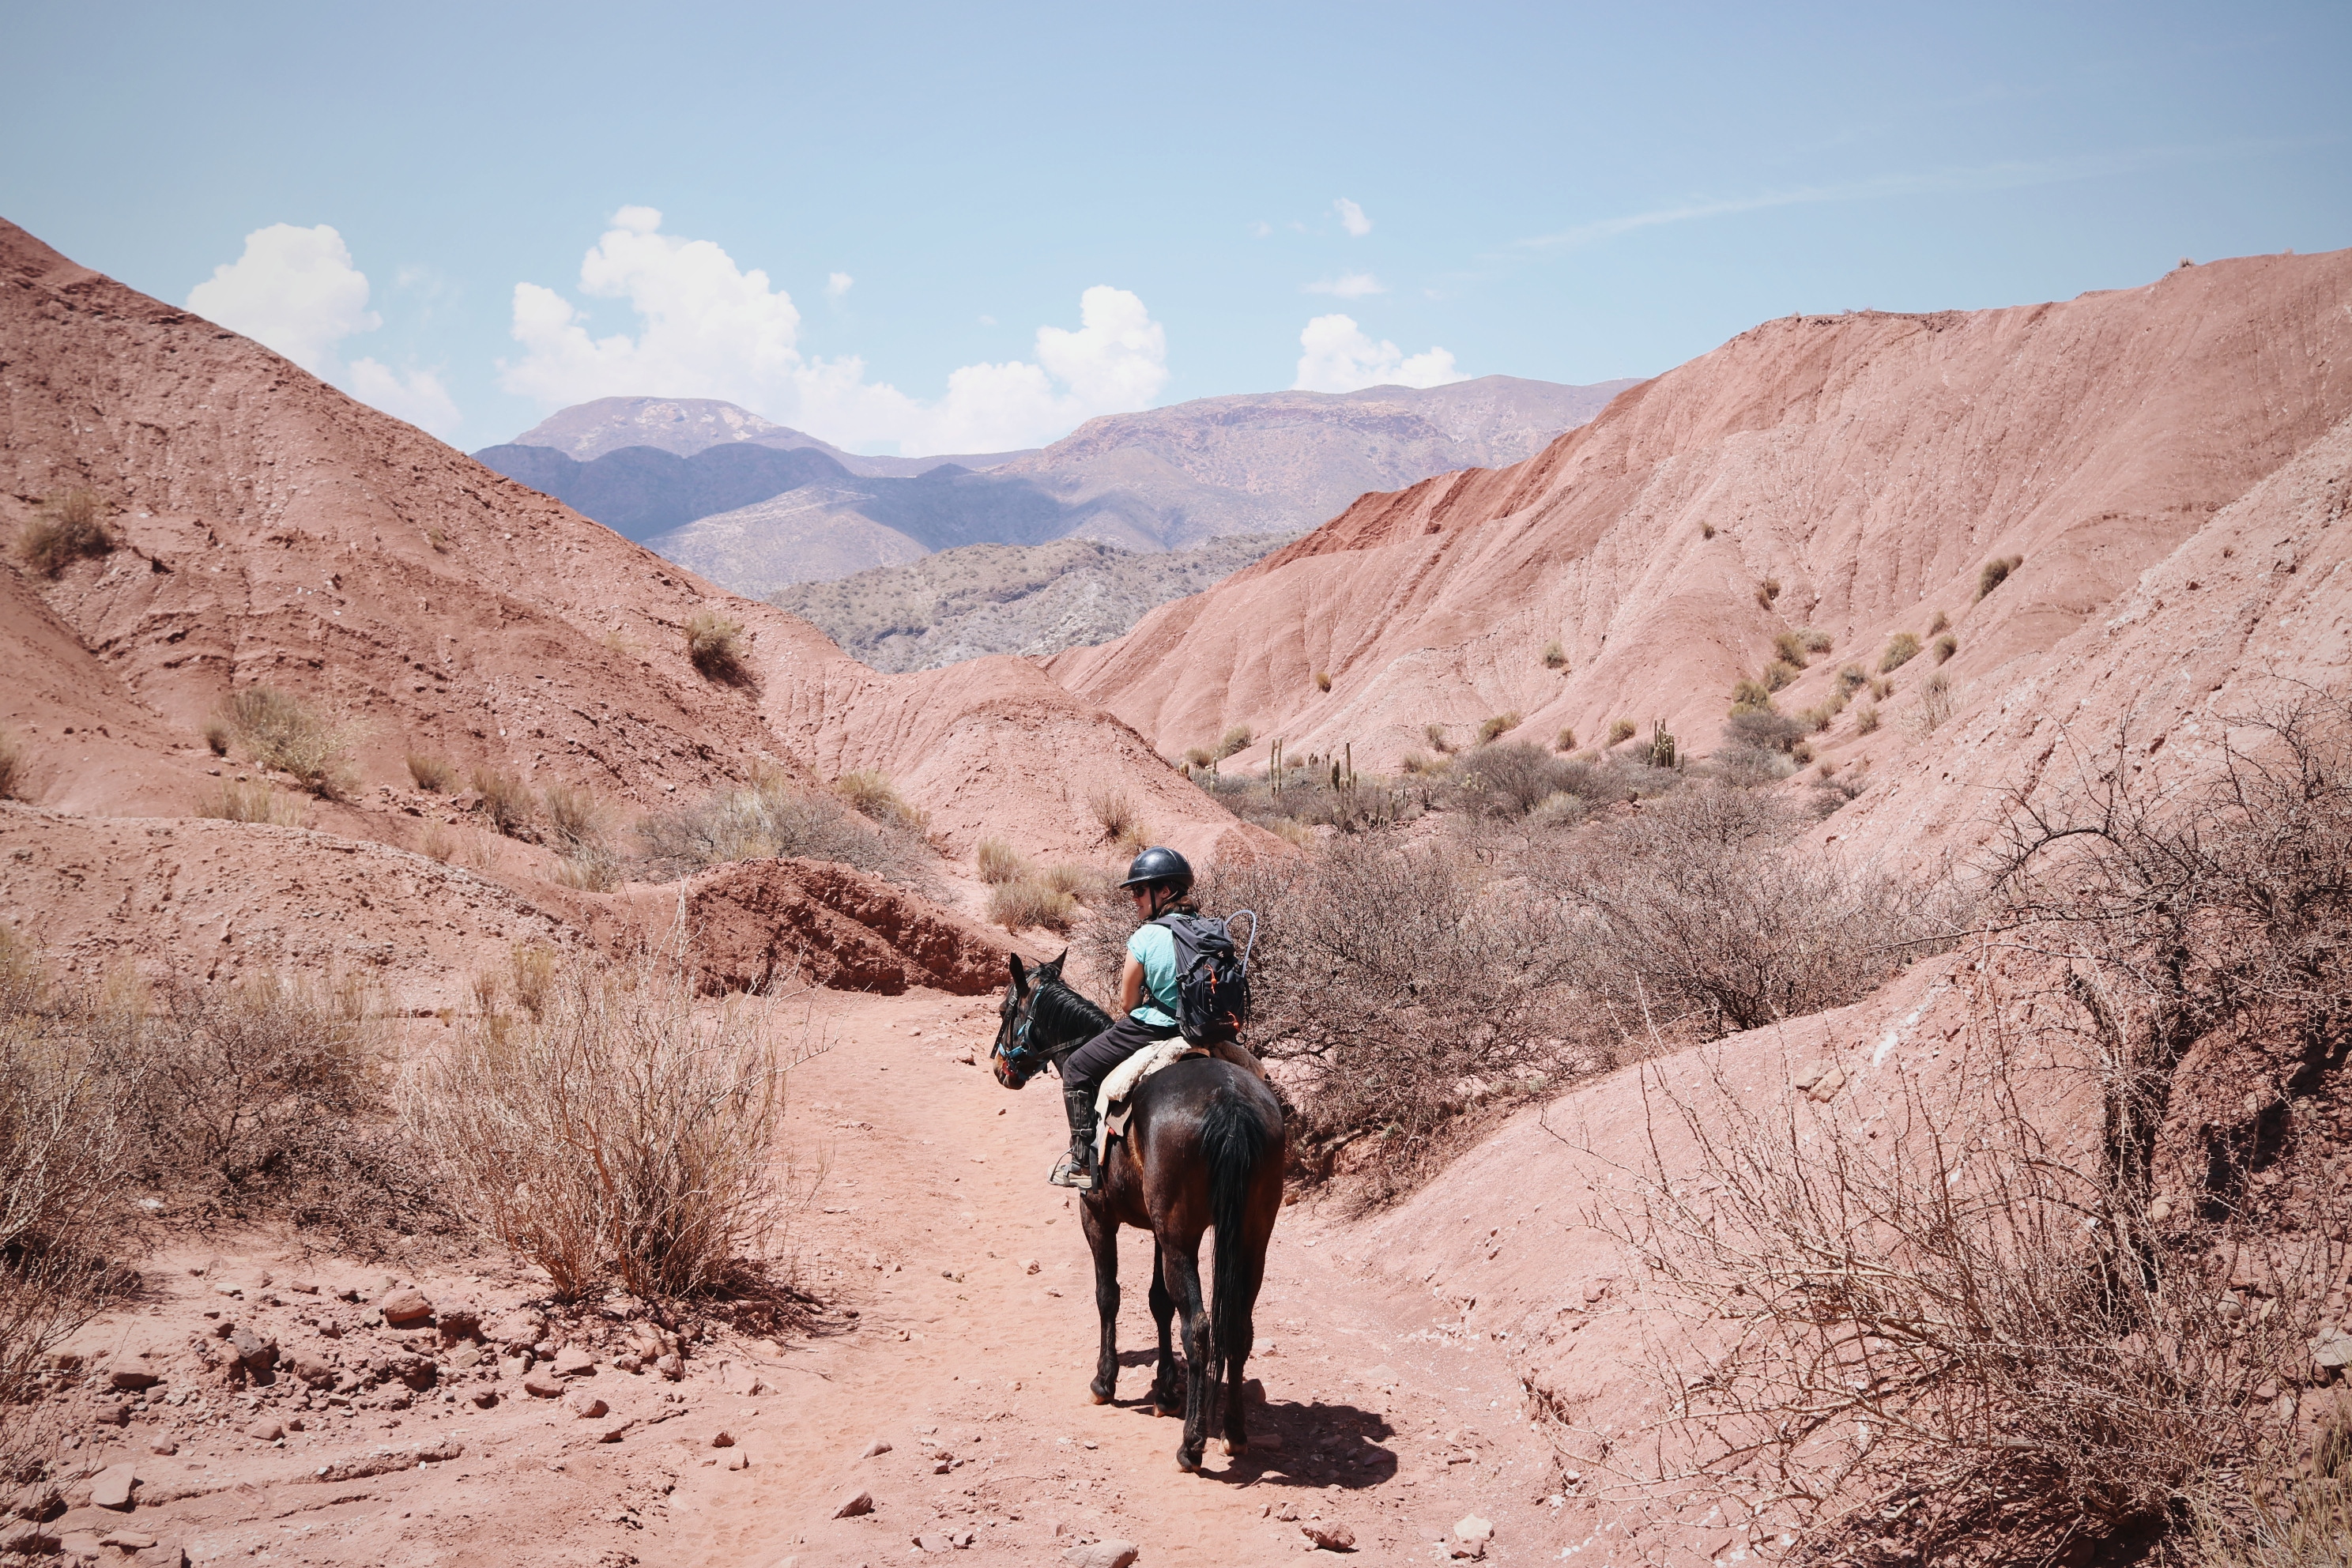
1159	881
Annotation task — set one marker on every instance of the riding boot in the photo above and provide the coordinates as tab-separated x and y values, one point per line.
1078	1167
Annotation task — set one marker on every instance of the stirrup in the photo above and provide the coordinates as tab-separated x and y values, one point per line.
1073	1173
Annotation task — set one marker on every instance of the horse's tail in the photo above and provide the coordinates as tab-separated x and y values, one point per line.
1235	1138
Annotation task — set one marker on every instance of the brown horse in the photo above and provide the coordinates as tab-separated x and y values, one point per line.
1204	1147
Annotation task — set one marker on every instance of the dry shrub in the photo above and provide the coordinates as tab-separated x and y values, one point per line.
1512	779
1497	725
775	817
531	968
1935	704
1322	681
1621	730
1027	902
1200	757
1700	912
1237	738
12	767
626	1136
436	842
1817	640
1779	675
1565	741
505	800
998	862
1996	572
714	645
1088	884
1767	590
252	802
575	816
1901	649
1866	718
219	736
1395	989
66	1224
278	729
1850	679
1939	622
436	775
1946	646
67	527
1554	655
1116	811
1791	648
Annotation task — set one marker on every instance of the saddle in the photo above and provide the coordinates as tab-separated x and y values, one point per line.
1113	1102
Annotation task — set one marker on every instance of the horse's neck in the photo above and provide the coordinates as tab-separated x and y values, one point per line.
1069	1018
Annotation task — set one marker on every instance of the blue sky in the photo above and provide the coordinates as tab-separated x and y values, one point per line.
1572	192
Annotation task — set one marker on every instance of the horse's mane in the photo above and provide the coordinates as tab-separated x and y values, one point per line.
1064	1017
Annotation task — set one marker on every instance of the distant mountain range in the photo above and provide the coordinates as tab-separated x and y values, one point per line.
758	507
1033	599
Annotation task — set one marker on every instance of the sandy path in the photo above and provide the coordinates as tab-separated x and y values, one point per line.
1389	1419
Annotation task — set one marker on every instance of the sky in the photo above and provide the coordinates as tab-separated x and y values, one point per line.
919	228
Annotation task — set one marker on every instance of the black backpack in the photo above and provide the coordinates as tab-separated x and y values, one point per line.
1212	997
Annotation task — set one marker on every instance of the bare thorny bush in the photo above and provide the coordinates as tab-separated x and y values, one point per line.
2066	1311
623	1134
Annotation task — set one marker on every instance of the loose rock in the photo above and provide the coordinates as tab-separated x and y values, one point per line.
1331	1537
1102	1554
586	1406
572	1361
405	1307
111	1487
875	1449
542	1385
264	1430
132	1379
725	1440
853	1505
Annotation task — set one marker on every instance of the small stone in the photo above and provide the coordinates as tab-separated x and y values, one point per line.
518	1328
1471	1535
313	1369
629	1364
931	1542
943	1468
586	1406
1102	1554
541	1385
671	1366
484	1398
250	1347
128	1539
1031	1267
853	1505
115	1414
264	1430
111	1487
572	1361
404	1306
2333	1352
1331	1537
722	1439
163	1446
875	1449
130	1379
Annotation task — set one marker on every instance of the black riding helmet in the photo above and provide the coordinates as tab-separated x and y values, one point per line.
1159	866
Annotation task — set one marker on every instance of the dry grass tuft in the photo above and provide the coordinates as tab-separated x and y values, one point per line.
252	802
1946	646
1791	648
12	767
1198	757
775	816
1565	741
69	526
1940	623
1866	718
999	862
219	736
278	729
1620	731
506	800
623	1136
714	645
1497	725
1322	681
1901	649
1028	902
1117	814
872	795
1996	572
439	776
1554	655
576	816
1435	733
1767	590
1237	738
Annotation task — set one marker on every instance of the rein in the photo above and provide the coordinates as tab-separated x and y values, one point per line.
1066	1018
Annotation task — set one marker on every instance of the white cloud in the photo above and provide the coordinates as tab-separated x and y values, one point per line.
837	284
1351	217
706	328
296	290
1340	358
1348	286
1260	229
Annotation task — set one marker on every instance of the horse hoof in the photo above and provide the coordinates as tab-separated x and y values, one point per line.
1234	1450
1188	1466
1098	1398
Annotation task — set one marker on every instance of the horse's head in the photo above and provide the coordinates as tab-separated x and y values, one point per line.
1013	1058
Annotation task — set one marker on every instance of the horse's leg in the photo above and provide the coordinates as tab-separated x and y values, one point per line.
1102	1236
1183	1266
1235	1340
1166	1397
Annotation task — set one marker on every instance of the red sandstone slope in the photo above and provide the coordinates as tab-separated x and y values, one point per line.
274	532
1870	464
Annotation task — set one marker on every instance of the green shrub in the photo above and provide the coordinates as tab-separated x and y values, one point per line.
1901	649
1946	646
432	773
1500	725
68	526
1554	655
1996	572
715	646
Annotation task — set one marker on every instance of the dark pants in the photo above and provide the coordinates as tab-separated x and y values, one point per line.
1086	1066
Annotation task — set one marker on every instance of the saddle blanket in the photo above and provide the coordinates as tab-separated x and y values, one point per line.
1112	1102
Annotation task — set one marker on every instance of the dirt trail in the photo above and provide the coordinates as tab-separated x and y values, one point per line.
1390	1419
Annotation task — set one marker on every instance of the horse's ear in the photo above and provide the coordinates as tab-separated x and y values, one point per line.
1054	968
1018	980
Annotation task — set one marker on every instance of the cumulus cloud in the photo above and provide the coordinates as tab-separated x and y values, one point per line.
837	284
707	327
296	290
1348	286
1340	358
1351	217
